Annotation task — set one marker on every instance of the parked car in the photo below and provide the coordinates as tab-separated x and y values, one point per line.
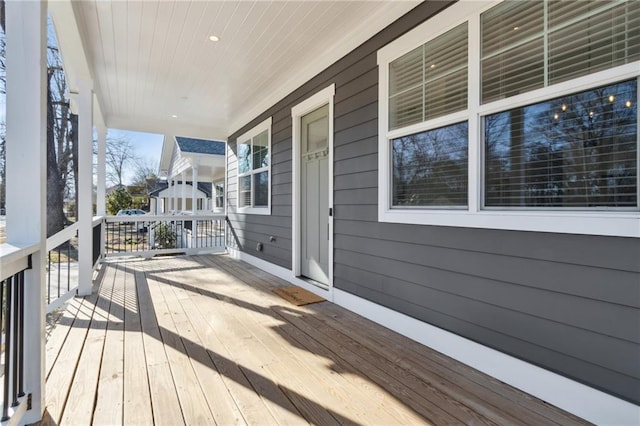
130	212
139	226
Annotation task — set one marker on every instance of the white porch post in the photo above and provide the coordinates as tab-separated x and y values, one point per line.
26	136
101	190
194	190
183	207
85	180
194	205
101	208
174	204
169	205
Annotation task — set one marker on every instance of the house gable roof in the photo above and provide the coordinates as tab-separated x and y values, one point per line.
200	146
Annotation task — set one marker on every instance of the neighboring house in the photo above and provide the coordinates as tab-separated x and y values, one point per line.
190	160
160	197
469	177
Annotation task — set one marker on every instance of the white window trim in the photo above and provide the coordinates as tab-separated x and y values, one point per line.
608	223
255	131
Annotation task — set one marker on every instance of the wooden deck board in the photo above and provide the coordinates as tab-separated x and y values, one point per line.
203	340
164	397
110	393
81	398
137	399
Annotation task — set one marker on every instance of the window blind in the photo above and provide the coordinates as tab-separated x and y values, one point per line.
586	37
512	49
527	45
429	81
578	151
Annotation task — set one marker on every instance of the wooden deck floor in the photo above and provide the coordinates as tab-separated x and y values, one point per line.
203	340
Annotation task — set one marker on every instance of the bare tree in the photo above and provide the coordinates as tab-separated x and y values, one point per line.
120	155
145	174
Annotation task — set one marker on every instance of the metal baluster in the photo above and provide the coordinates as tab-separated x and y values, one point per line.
16	339
59	271
7	352
49	278
21	306
68	265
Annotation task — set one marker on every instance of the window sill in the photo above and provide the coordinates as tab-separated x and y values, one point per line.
264	211
618	224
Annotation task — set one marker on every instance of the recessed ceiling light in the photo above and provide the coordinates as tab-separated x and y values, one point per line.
174	116
214	38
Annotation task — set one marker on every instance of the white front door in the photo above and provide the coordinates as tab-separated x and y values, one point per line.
314	195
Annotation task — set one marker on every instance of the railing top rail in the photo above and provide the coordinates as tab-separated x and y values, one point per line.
97	220
14	258
62	236
146	218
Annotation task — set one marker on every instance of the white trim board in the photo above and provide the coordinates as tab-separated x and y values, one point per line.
583	401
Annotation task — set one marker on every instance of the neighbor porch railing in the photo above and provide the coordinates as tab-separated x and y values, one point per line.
164	234
14	261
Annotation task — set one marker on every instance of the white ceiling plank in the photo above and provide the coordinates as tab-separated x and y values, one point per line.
120	30
134	40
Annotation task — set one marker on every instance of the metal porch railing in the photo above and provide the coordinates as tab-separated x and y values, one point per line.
148	235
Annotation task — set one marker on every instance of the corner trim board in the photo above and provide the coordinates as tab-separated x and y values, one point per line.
591	404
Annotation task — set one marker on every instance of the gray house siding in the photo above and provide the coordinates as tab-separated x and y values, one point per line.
568	303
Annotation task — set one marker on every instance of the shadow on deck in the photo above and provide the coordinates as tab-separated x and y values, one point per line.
203	340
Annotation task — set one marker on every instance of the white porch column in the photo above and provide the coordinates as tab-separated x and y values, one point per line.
183	207
194	191
169	205
174	205
194	205
26	139
85	180
101	207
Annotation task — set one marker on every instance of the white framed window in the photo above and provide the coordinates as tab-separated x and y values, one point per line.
254	170
514	115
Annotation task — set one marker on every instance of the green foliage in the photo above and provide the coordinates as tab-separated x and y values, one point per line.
118	200
165	237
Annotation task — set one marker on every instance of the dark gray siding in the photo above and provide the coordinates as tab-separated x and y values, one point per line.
569	303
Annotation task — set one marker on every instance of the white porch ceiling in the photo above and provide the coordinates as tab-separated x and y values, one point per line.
151	60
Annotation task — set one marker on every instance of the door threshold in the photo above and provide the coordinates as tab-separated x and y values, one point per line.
313	282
